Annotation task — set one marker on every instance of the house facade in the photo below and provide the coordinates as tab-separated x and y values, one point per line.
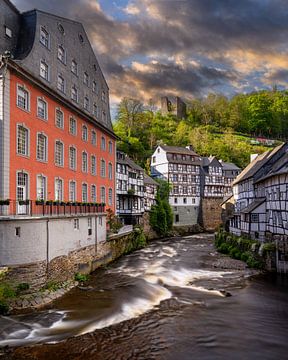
181	167
57	145
260	201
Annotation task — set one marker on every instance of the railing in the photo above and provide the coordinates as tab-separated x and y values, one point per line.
48	208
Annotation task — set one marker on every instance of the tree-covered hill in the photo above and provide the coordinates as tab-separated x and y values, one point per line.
214	125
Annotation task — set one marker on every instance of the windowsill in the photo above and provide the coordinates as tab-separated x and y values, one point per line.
42	161
24	156
43	78
61	166
43	119
60	128
26	110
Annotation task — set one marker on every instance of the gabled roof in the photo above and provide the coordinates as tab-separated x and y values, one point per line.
256	165
178	150
278	168
253	205
148	180
210	161
132	164
229	166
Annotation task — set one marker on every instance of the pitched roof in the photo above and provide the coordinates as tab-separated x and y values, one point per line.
132	164
149	180
178	150
256	164
253	205
229	166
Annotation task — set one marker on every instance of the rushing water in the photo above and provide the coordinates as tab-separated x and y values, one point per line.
166	301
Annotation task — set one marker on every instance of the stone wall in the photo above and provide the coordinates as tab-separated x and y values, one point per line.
211	213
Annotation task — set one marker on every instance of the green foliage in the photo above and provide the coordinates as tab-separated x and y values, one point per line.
113	221
239	248
6	292
81	277
52	286
161	216
22	287
137	240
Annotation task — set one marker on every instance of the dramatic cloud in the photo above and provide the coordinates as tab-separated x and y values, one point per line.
149	48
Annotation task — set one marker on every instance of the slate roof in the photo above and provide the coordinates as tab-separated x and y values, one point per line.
253	205
148	180
178	150
229	166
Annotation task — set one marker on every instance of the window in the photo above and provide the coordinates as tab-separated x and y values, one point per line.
42	109
59	156
8	32
103	195
76	224
41	147
86	79
59	119
110	171
154	159
103	143
22	140
72	158
58	189
93	164
41	187
61	55
104	116
72	126
94	87
44	37
93	137
61	83
103	168
84	193
74	93
110	197
22	186
103	95
93	193
95	110
23	98
72	191
86	103
110	146
184	200
84	133
89	225
74	67
175	200
176	218
17	231
84	162
255	218
44	70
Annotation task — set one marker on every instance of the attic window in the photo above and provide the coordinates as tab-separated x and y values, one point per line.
81	38
95	67
8	32
61	29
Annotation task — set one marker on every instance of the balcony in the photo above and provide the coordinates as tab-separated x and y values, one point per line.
38	208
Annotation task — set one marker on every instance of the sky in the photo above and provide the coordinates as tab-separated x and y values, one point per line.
153	48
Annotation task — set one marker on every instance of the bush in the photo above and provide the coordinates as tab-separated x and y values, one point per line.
52	286
81	277
4	308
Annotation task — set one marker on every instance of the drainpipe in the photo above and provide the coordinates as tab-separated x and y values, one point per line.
47	247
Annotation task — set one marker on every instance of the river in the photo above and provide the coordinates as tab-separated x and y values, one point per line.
169	301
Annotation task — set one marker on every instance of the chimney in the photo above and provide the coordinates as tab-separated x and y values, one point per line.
253	157
190	147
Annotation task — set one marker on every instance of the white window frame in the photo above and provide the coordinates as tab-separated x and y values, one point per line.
110	197
93	198
27	140
103	143
26	98
62	155
41	100
44	70
84	133
84	168
86	103
74	65
71	118
74	192
75	163
103	168
58	110
110	147
61	56
44	190
94	87
55	189
103	194
82	192
61	86
86	78
45	159
93	138
110	171
93	165
74	98
45	43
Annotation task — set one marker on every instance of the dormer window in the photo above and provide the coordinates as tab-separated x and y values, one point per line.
95	110
103	96
74	93
61	54
94	87
61	83
44	70
86	103
44	37
8	32
86	79
74	67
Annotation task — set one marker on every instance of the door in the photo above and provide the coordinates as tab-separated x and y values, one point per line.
22	192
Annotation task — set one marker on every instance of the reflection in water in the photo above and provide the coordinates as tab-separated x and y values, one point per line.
165	301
